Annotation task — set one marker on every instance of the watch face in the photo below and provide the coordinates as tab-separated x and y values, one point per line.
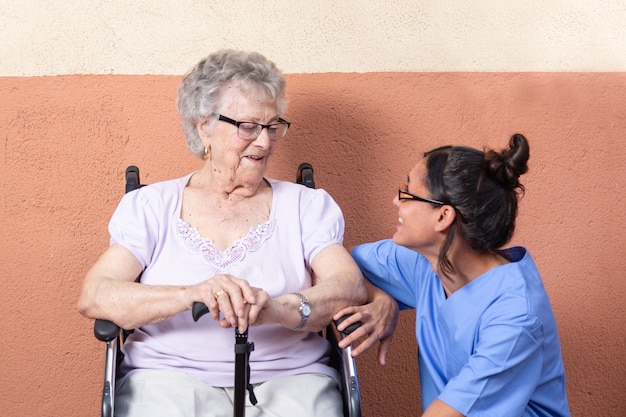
306	310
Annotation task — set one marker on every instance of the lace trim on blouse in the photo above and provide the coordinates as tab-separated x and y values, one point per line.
213	255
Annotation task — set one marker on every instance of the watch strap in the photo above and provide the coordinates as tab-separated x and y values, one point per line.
304	317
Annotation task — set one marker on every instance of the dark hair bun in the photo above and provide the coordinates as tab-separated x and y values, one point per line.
507	166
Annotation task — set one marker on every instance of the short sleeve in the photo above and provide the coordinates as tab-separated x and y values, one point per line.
392	268
322	222
134	226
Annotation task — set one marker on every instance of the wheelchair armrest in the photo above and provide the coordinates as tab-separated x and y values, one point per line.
348	329
105	330
108	332
344	362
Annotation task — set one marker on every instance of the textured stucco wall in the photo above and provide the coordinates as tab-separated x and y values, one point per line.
66	140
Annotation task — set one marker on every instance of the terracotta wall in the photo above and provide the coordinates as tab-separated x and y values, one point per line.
372	86
68	139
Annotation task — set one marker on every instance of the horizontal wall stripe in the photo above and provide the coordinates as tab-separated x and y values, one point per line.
167	37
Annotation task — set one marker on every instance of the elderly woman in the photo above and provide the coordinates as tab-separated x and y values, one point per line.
257	251
487	337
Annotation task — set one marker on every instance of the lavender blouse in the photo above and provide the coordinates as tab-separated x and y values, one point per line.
275	256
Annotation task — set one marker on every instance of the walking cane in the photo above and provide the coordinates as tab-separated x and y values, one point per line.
242	372
242	364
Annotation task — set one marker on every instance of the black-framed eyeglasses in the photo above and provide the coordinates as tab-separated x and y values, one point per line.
404	194
252	130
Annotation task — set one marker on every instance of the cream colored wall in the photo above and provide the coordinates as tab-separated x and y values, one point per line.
166	37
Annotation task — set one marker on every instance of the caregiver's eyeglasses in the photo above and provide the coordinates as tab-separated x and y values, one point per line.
252	130
404	194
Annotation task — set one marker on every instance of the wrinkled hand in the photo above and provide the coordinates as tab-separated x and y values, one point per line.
234	298
379	318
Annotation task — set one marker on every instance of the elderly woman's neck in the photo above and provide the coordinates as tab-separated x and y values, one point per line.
225	185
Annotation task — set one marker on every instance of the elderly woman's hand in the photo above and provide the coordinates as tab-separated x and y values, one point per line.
378	318
228	295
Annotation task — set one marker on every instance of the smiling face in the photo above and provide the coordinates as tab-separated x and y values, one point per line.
234	161
417	220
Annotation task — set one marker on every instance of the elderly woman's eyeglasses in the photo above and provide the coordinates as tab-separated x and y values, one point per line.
404	194
252	130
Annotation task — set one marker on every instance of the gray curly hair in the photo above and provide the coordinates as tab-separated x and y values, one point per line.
199	91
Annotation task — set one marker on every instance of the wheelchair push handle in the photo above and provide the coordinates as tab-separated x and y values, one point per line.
305	175
200	309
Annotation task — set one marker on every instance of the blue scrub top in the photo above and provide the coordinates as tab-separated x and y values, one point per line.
491	348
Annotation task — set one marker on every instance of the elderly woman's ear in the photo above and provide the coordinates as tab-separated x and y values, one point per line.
204	131
204	128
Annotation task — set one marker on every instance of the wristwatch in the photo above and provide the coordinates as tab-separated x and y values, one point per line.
304	309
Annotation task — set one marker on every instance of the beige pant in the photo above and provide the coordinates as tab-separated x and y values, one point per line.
176	394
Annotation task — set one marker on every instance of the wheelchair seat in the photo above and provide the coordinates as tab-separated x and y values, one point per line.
341	359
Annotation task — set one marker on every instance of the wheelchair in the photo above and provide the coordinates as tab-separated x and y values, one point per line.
341	359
